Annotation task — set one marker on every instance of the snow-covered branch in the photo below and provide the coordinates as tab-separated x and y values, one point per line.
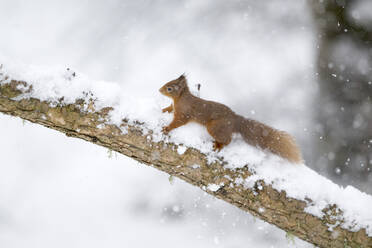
292	197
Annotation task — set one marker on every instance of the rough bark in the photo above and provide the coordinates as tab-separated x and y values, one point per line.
280	210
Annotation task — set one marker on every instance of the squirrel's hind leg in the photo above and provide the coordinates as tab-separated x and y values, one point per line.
221	131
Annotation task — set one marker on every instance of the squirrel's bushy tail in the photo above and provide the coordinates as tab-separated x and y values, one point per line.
265	137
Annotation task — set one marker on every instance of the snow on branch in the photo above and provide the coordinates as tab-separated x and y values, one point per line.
292	197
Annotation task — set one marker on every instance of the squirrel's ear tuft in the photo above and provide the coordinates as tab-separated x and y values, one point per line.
182	82
182	77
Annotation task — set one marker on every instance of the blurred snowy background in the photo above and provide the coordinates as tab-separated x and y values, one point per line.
258	57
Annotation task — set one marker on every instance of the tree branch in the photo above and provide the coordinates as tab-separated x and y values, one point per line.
262	200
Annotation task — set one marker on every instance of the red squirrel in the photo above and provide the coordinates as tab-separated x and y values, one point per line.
221	122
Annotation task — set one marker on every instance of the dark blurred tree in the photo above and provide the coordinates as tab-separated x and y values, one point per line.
344	70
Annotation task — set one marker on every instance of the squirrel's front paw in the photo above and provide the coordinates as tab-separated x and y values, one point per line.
165	130
168	109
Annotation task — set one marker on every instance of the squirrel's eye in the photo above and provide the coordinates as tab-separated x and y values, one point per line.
169	89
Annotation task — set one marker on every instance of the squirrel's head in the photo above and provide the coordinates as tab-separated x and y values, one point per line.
175	88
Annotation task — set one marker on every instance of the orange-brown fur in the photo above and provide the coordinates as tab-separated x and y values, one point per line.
221	122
